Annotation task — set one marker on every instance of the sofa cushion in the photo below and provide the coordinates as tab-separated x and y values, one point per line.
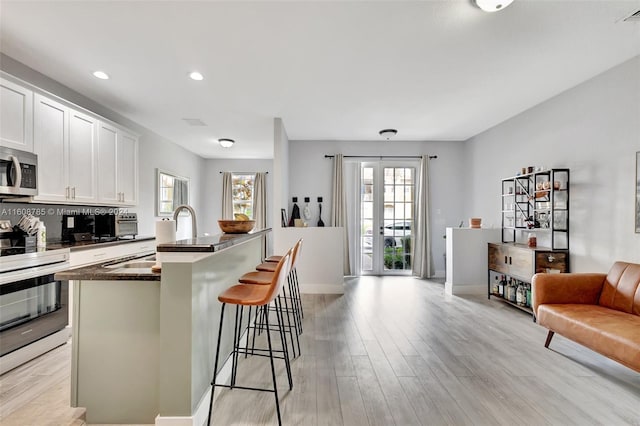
610	332
621	290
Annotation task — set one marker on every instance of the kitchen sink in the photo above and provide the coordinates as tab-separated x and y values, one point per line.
145	264
136	263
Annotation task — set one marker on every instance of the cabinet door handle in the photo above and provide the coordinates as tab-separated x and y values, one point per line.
509	260
73	191
66	193
505	259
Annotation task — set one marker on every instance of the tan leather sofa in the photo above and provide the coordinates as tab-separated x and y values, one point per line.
601	312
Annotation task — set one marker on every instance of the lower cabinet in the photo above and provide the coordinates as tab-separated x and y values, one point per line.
511	267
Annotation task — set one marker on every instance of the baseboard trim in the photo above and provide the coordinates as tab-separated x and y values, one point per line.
33	350
322	288
475	289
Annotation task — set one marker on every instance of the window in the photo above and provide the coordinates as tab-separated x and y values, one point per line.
243	193
172	191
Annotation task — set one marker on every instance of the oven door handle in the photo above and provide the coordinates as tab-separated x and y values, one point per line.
18	169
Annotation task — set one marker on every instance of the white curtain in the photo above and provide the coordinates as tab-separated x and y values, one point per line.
260	205
422	256
339	207
227	196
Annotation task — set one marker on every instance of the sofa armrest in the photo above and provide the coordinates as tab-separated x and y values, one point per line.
580	288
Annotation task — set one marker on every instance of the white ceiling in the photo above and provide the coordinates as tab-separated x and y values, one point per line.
332	70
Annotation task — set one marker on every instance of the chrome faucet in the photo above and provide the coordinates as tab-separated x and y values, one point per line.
177	211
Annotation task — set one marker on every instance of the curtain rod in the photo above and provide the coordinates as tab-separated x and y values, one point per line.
431	157
245	173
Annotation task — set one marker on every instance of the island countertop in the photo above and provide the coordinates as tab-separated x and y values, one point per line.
117	270
211	243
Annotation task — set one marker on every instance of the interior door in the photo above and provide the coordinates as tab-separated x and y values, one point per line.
386	217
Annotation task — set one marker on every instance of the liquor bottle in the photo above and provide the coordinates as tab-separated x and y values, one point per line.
521	295
512	290
501	286
494	288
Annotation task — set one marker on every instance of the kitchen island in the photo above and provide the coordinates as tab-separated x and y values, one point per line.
144	342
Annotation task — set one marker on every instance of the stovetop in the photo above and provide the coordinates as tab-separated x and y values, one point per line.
10	251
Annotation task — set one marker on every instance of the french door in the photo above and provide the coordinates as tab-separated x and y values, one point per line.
386	217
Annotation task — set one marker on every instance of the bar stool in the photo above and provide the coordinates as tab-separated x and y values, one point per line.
264	277
294	277
269	264
260	296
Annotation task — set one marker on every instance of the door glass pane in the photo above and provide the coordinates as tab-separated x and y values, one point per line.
398	218
366	218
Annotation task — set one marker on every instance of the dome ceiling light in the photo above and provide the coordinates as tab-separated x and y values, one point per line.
492	5
226	143
388	133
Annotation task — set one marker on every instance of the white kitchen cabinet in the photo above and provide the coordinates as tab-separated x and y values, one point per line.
50	141
117	166
16	116
108	160
65	142
82	157
128	168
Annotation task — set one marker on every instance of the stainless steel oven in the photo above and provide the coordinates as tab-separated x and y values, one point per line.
33	304
18	173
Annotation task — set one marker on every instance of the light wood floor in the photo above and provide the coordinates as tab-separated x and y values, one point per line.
393	351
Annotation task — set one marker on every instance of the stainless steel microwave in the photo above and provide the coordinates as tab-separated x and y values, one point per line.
18	173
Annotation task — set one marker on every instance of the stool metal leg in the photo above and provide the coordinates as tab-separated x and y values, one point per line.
297	285
215	364
289	326
285	349
273	370
235	348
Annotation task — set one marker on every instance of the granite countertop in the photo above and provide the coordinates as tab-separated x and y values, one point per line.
115	270
211	243
84	245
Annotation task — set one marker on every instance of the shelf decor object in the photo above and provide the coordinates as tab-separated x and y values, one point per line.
535	234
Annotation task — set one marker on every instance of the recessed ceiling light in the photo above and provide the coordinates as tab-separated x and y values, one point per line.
226	143
101	75
195	75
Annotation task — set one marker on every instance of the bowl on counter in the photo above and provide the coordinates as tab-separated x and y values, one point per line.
236	226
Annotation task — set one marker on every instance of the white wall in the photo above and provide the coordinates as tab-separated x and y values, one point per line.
154	150
212	188
311	175
593	129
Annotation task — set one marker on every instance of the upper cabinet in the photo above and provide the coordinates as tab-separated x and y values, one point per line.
81	159
117	166
65	142
16	116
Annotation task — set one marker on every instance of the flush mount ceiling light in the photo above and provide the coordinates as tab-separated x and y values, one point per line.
226	143
101	75
388	133
492	5
195	75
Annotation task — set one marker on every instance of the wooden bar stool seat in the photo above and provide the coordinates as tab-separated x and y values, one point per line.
275	258
246	295
267	266
257	277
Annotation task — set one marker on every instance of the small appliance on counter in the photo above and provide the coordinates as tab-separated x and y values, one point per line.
77	227
112	225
